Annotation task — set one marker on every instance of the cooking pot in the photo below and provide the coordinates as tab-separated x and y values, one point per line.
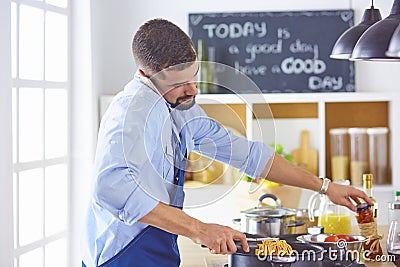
268	221
305	255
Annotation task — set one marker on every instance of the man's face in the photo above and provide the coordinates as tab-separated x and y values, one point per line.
178	87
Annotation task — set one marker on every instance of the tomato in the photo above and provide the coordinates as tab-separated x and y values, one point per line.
352	239
331	238
344	237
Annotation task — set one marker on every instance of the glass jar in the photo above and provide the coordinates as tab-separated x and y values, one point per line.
378	153
335	219
339	142
393	241
358	154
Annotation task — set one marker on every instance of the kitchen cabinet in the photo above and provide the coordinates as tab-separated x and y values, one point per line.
323	111
317	112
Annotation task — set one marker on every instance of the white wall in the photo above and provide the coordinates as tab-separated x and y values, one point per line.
115	22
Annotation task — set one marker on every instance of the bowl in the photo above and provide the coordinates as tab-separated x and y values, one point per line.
340	253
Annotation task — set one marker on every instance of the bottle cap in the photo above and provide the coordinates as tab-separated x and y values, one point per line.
367	180
367	177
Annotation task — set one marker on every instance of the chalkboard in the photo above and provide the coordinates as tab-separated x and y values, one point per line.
281	52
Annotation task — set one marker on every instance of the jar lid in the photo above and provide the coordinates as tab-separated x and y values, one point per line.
337	131
378	130
363	206
357	130
268	211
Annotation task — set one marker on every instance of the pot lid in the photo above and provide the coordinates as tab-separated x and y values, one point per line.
267	211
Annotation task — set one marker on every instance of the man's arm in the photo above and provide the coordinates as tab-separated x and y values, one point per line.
282	171
219	239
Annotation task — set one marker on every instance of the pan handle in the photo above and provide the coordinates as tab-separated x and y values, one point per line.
295	223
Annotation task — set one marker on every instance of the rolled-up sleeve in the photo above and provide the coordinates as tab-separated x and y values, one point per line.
219	143
128	184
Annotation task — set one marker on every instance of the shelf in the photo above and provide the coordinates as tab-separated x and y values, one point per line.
330	110
295	98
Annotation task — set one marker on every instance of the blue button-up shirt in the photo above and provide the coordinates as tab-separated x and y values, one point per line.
134	164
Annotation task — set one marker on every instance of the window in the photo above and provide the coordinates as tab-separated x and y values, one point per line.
40	52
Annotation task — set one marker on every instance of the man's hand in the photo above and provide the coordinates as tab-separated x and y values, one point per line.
282	171
344	195
219	239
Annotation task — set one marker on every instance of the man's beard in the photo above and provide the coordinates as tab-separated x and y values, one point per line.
181	104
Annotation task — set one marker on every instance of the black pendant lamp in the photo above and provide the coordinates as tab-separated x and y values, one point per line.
374	43
394	46
344	45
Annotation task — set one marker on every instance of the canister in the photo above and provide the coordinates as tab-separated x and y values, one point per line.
340	158
378	166
358	154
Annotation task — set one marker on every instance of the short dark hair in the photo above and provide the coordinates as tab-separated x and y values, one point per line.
159	44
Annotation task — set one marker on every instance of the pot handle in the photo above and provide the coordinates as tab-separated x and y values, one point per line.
277	201
311	206
295	223
236	220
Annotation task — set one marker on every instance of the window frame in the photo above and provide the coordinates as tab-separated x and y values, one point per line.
16	82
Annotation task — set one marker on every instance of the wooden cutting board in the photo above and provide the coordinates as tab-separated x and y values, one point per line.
305	156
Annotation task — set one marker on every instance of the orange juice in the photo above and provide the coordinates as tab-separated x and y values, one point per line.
335	223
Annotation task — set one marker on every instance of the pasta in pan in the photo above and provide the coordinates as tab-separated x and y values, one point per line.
274	247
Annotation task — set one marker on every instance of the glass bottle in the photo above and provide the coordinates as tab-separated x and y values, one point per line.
393	242
394	208
201	56
367	185
210	70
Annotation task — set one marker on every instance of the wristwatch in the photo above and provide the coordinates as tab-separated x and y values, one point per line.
325	184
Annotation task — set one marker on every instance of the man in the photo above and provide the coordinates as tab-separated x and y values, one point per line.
135	212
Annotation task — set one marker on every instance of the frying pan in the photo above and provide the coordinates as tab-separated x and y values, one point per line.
306	255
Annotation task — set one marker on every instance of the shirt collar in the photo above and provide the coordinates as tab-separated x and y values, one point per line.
146	81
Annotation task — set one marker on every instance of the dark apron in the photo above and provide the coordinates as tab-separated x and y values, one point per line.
152	247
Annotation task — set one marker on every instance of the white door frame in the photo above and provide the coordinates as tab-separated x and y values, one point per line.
6	167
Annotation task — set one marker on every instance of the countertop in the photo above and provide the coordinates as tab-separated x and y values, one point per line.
193	255
383	230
